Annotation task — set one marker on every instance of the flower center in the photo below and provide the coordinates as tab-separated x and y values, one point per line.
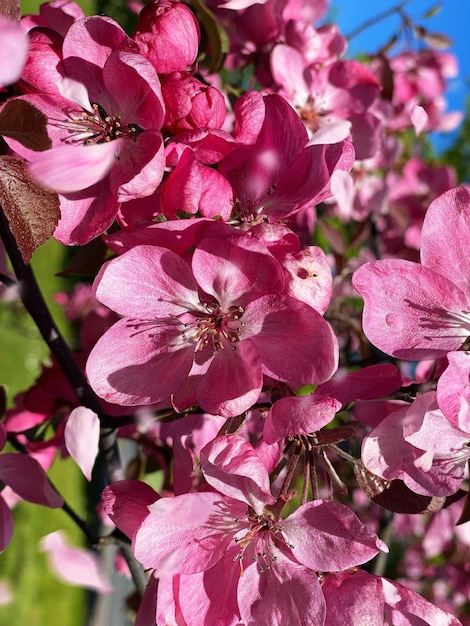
97	126
216	328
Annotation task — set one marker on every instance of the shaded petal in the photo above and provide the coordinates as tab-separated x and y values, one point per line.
285	593
126	502
233	381
6	525
27	478
130	366
295	342
353	599
328	536
232	467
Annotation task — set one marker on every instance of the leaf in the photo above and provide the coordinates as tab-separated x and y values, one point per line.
434	10
87	261
31	210
434	40
218	39
23	122
395	496
11	9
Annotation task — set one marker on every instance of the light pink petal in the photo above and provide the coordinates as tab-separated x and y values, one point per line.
298	415
82	436
27	478
67	169
188	533
231	466
139	362
6	525
14	44
288	67
76	566
334	132
328	536
448	219
410	311
285	593
404	607
342	188
147	282
233	381
453	390
309	277
126	502
419	119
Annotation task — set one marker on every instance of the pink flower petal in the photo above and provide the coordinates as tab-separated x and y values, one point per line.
82	436
76	566
27	478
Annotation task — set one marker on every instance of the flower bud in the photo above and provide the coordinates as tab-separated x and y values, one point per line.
191	104
168	35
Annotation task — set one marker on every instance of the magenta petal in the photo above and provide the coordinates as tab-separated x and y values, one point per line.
231	466
27	478
284	594
298	415
67	169
126	502
139	362
6	525
328	536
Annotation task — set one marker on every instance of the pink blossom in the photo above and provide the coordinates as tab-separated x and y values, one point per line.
273	172
417	444
108	137
205	332
417	311
267	564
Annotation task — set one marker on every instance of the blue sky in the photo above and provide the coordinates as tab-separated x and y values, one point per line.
453	20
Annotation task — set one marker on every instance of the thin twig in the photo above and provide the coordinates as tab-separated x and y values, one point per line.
373	20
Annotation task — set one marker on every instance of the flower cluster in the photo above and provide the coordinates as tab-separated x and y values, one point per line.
230	234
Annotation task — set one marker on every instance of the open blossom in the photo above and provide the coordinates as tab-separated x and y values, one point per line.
107	147
205	332
422	311
234	535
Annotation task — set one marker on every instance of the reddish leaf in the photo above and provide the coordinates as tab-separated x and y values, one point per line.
32	212
26	124
335	435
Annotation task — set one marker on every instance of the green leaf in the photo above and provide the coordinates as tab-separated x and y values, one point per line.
216	35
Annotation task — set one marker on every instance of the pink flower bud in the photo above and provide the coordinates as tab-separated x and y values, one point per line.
168	35
190	104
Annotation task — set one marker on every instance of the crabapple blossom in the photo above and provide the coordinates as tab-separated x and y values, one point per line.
235	533
205	333
421	311
108	137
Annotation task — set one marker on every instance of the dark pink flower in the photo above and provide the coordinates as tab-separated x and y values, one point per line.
168	35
